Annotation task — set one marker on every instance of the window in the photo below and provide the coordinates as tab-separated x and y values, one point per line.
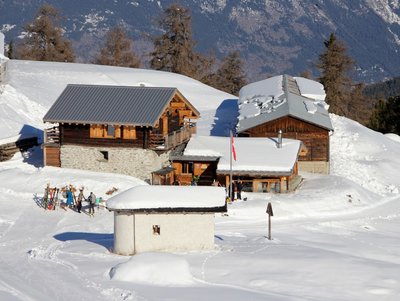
156	230
187	167
105	131
105	155
110	131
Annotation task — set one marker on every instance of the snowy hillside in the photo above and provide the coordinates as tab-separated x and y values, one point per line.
335	238
33	87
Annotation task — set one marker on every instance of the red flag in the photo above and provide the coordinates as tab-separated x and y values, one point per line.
233	148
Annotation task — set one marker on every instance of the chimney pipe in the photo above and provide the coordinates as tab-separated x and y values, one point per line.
280	138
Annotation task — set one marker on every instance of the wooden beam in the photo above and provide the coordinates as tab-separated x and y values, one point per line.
178	105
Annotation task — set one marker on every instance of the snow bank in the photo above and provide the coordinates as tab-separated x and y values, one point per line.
159	269
364	156
394	137
321	196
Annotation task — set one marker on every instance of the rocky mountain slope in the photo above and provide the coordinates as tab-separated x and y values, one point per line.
273	36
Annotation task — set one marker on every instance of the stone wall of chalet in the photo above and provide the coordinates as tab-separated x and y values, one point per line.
135	162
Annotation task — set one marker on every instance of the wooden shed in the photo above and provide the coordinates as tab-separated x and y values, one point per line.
294	105
165	218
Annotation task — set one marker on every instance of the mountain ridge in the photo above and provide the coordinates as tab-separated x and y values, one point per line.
273	37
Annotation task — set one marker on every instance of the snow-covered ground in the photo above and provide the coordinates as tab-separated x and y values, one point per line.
335	238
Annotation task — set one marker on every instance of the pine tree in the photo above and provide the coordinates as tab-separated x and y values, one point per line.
44	40
117	50
358	106
334	65
378	120
207	70
230	77
386	116
174	50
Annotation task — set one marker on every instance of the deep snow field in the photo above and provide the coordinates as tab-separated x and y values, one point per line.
336	238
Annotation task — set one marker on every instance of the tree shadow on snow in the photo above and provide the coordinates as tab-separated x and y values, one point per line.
225	118
103	239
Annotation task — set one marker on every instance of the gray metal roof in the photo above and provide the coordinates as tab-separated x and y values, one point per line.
293	104
123	105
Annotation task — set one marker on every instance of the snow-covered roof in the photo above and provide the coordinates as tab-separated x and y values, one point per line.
280	96
146	198
253	155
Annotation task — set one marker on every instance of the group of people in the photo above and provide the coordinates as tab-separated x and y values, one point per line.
236	192
77	202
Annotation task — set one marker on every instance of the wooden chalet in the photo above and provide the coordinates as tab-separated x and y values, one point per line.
263	164
109	118
294	106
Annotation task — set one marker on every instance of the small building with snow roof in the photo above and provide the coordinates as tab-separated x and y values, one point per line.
165	218
262	164
294	105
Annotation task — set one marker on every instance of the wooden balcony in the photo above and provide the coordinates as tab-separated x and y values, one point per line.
167	142
52	136
155	141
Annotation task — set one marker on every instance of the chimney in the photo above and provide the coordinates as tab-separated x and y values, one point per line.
279	139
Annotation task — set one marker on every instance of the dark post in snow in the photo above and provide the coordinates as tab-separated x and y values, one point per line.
270	213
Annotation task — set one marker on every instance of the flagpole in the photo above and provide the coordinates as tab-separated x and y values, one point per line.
230	164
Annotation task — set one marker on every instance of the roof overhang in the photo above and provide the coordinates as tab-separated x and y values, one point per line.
168	210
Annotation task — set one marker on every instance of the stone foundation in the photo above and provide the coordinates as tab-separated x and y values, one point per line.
135	162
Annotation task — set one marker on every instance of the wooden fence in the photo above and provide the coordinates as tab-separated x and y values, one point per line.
8	150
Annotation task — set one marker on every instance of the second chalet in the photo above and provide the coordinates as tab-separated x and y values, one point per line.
121	129
294	106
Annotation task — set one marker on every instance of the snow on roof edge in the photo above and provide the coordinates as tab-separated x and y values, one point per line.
164	197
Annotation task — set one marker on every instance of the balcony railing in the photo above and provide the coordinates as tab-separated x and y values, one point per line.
52	136
166	142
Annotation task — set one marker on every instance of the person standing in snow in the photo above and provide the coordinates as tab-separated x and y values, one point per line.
232	196
70	198
92	200
239	187
79	200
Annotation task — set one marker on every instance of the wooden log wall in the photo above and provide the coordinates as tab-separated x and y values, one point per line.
52	156
80	135
315	139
